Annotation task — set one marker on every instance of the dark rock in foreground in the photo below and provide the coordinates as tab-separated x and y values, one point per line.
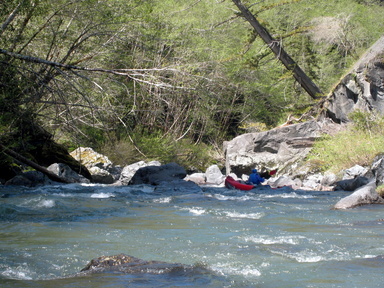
132	265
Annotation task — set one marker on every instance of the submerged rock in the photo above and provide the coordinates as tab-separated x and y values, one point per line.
129	264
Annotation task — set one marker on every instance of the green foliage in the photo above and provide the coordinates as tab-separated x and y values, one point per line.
164	149
380	190
359	144
191	71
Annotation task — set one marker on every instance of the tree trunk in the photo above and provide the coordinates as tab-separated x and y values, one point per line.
32	164
280	53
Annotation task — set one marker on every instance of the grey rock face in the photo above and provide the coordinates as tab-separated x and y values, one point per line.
279	147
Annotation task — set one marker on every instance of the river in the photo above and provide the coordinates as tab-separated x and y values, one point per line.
258	238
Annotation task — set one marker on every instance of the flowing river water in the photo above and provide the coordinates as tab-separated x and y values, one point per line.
258	238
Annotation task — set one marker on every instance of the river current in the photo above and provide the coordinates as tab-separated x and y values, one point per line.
258	238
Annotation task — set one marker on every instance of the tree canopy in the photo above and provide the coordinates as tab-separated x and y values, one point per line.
158	72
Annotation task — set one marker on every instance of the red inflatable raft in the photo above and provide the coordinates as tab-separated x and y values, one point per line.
231	183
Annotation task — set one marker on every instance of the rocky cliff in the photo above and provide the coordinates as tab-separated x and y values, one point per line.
286	147
362	88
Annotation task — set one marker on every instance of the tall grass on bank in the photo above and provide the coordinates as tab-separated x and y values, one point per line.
357	145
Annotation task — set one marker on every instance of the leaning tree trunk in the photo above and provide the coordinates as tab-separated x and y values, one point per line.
34	165
280	53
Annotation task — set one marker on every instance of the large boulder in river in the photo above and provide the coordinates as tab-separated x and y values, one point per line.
154	175
362	196
129	171
282	147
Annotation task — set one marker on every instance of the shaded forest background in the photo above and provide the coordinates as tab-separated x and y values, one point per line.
166	80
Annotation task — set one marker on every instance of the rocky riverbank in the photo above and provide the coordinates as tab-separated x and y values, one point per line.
360	180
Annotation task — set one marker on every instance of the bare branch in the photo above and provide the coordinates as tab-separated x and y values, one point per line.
10	18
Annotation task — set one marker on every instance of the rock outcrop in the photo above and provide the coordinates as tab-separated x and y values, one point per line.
361	89
282	147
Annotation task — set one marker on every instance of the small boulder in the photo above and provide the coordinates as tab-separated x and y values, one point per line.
100	175
178	186
198	178
351	184
30	178
89	158
284	181
214	176
19	180
354	172
130	170
66	172
377	169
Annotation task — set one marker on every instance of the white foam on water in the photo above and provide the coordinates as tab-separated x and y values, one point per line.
163	200
196	210
234	198
18	273
267	240
102	195
244	215
226	268
289	195
46	204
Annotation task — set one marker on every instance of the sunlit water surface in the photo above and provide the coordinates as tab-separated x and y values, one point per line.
258	238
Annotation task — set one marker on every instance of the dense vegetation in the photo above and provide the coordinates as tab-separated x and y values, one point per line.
166	79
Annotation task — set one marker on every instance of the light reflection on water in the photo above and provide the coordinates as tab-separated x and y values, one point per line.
268	238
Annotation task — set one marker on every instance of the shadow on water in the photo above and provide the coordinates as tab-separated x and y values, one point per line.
197	277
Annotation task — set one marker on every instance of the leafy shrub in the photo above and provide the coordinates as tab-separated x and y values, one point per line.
164	149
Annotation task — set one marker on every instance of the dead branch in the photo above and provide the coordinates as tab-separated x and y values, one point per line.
34	165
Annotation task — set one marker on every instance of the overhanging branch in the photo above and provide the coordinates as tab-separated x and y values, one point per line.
280	53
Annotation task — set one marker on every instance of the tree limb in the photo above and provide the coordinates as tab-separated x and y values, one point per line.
32	164
280	53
